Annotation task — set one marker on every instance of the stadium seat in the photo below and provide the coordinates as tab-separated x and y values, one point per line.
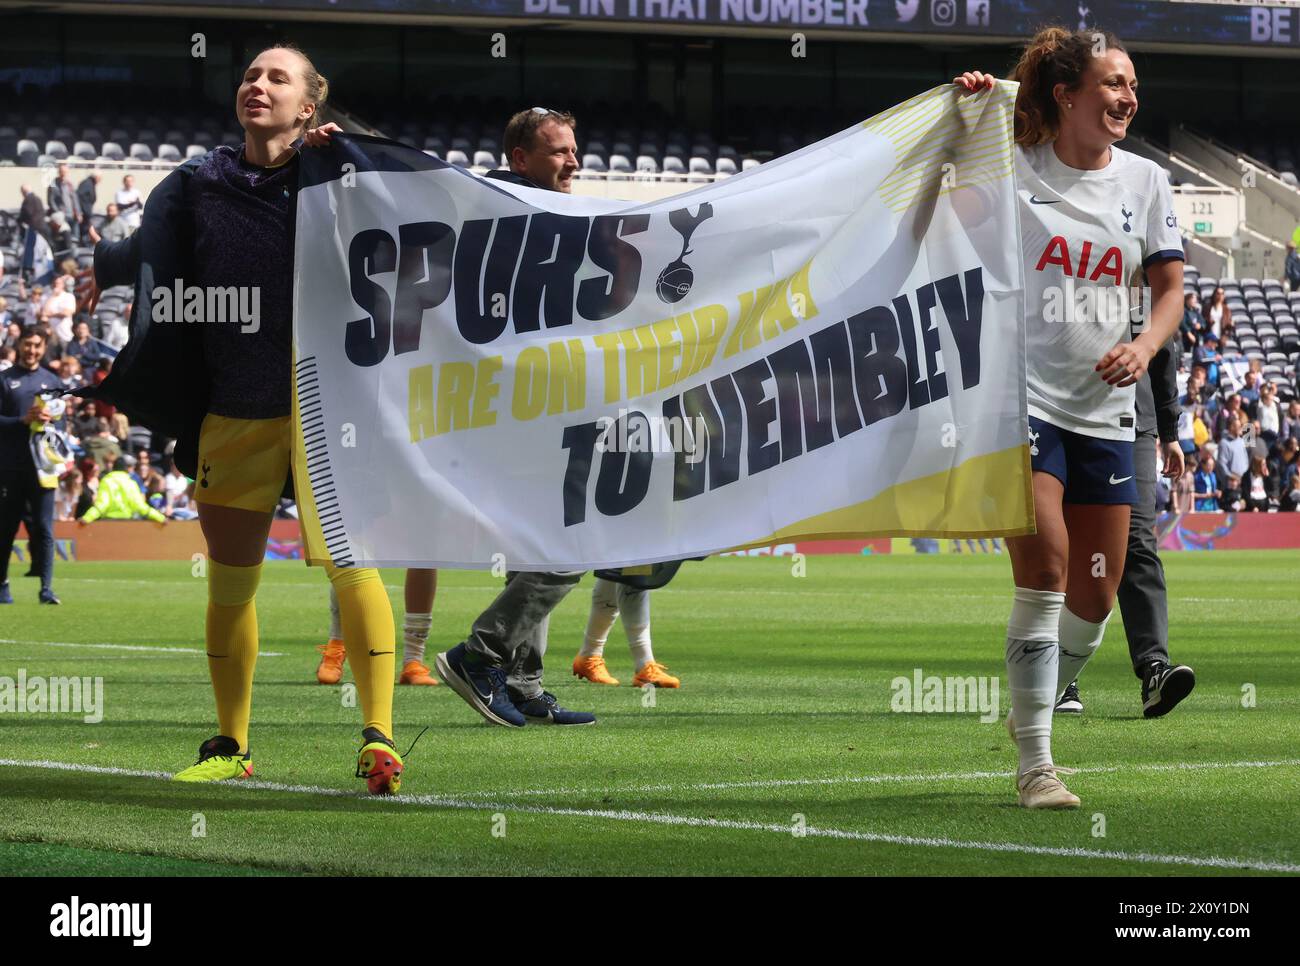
484	159
749	163
700	169
594	163
141	152
84	150
726	167
56	149
169	152
645	164
458	158
28	153
194	151
620	164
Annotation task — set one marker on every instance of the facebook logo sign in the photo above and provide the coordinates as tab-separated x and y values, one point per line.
977	13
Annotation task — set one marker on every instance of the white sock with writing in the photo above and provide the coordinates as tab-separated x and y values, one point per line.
415	631
1032	656
604	611
1079	640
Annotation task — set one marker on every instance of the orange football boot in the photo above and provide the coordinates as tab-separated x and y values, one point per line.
413	672
332	656
593	669
652	672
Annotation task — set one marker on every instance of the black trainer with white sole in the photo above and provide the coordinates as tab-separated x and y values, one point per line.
1070	702
1163	686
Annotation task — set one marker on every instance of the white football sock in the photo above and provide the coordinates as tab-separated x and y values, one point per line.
604	611
1032	656
1079	640
415	631
634	605
336	628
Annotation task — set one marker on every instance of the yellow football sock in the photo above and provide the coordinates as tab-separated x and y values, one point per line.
232	644
369	635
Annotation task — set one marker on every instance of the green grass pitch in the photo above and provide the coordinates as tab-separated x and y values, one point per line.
783	726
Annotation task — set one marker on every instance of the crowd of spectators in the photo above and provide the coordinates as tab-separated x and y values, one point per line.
1241	441
101	437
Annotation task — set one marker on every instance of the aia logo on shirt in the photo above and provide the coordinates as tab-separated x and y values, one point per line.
1058	253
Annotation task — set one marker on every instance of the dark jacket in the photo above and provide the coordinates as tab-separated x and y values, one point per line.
1292	270
1157	395
19	388
159	379
62	196
31	213
86	194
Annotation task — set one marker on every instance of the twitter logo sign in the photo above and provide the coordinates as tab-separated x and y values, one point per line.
907	9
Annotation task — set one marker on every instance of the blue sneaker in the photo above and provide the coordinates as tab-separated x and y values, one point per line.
545	710
483	687
48	597
5	596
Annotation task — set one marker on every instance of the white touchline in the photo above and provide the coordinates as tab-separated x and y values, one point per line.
129	647
904	778
661	818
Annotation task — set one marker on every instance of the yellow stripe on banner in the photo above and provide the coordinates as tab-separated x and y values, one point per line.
924	129
990	496
313	540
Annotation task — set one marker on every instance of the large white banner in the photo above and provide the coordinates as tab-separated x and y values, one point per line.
828	345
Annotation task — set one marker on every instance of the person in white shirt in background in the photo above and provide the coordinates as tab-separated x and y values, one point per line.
59	309
130	205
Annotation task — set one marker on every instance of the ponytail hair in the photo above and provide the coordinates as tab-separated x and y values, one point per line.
1054	55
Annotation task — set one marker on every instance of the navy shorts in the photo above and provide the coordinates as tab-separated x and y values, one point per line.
1092	470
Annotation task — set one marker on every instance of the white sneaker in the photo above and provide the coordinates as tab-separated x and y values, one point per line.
1040	788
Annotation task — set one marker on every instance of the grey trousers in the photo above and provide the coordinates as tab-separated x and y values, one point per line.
1143	599
511	633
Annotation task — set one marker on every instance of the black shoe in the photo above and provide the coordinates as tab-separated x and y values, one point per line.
5	596
1163	686
482	687
47	597
545	710
1070	702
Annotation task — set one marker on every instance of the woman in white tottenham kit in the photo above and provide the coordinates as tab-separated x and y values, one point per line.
1091	216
